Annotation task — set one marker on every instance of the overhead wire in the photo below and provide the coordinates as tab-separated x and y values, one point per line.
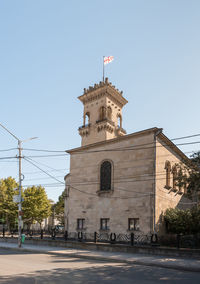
136	147
185	137
27	159
6	150
4	158
61	151
43	164
38	172
130	148
47	156
44	178
114	197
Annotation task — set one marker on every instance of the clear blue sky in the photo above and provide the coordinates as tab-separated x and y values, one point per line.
51	50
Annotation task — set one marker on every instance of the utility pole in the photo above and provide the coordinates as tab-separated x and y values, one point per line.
20	184
20	196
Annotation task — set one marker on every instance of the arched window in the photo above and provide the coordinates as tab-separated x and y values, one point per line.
102	113
105	175
109	112
168	170
86	120
174	172
119	120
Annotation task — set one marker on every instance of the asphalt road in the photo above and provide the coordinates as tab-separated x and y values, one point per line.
22	267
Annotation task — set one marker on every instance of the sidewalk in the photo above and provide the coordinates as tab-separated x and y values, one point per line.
186	264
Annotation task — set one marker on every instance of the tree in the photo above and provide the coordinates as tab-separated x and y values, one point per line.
178	221
59	209
183	221
193	180
8	208
189	177
36	206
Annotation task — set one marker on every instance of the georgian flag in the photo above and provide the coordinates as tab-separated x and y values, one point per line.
108	59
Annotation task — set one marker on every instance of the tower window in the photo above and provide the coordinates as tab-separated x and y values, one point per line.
105	176
119	120
102	113
109	112
86	119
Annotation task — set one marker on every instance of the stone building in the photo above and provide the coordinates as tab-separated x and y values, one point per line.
117	182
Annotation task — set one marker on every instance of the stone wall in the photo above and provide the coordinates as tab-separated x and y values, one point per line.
167	197
132	185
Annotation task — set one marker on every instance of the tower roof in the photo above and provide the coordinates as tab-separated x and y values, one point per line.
103	89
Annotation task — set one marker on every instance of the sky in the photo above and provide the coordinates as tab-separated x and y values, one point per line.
51	50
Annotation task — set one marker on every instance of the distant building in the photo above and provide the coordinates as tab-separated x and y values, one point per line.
47	224
117	182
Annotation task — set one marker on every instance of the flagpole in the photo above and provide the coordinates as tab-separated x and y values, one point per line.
103	68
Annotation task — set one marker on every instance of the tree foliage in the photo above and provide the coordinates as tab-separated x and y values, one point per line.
36	206
193	180
189	177
8	208
58	209
183	221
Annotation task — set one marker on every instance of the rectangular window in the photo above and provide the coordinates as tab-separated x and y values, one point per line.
133	224
104	224
80	224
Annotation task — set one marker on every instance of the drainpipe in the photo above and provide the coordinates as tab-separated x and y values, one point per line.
154	183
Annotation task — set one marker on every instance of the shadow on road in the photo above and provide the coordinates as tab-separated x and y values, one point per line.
15	252
108	273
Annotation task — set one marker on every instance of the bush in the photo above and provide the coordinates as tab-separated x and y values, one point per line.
183	221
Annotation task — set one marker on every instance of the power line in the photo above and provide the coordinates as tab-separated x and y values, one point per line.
42	178
112	197
61	151
8	161
44	150
38	172
131	148
42	170
130	197
87	152
185	137
46	156
43	165
135	160
44	185
136	148
11	149
4	158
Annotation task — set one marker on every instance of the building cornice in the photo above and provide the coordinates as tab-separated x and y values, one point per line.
103	89
156	130
114	140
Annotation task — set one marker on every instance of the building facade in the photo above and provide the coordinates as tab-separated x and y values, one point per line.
117	182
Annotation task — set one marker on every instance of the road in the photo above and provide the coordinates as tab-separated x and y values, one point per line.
22	267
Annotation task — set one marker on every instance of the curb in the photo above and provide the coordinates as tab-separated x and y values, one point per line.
110	259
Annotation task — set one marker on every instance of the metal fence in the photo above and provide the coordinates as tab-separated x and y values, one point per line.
179	241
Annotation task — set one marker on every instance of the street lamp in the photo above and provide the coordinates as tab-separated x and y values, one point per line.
20	183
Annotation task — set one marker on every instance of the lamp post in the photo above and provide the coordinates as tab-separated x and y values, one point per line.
20	183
